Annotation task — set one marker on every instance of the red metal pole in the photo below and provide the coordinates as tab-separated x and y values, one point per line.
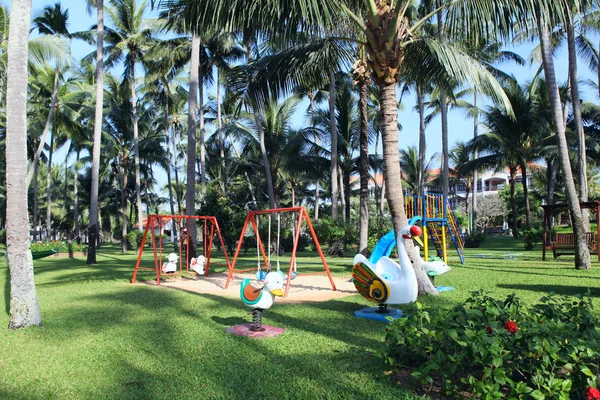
141	250
237	251
157	265
222	242
316	241
294	250
209	250
259	242
204	239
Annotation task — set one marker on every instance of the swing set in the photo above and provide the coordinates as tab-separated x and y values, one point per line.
208	225
298	214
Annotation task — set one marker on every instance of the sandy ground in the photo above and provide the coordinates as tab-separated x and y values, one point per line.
302	288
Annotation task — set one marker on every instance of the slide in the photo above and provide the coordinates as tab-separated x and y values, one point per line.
384	247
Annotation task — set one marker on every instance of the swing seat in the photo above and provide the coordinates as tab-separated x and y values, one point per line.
260	275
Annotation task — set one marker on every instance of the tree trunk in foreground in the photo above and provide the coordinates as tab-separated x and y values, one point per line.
582	254
93	228
190	189
391	168
475	156
24	306
363	242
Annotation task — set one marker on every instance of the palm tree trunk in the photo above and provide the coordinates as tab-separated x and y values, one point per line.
582	254
342	193
382	198
201	122
475	156
24	306
422	140
526	195
93	229
395	198
552	172
36	169
169	180
76	196
581	147
136	147
190	192
49	120
49	187
124	219
220	135
363	241
347	203
176	169
513	204
334	162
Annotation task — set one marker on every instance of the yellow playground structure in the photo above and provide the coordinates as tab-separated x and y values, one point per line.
439	223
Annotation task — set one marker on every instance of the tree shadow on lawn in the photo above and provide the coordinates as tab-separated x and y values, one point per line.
515	271
288	366
558	289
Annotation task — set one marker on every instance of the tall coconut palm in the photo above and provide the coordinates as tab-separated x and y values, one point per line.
131	36
99	91
24	306
582	254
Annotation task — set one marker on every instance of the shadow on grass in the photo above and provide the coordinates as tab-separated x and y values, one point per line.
325	353
558	289
516	271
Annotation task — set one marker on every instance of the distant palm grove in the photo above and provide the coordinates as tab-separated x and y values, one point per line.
196	112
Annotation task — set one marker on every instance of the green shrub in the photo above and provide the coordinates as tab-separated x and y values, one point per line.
134	239
474	240
531	237
378	228
491	348
3	236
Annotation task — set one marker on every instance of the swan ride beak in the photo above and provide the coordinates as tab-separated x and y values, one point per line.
277	292
418	240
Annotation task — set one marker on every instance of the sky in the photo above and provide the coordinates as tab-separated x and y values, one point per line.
460	126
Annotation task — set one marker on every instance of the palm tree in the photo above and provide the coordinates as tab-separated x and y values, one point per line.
512	141
93	224
24	306
127	42
582	254
53	21
410	164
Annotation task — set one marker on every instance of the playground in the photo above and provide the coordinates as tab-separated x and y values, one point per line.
104	337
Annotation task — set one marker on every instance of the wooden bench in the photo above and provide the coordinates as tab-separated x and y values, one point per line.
564	243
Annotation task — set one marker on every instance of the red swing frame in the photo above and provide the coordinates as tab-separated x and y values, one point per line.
209	223
302	215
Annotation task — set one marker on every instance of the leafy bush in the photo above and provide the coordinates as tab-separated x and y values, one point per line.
474	240
531	237
491	348
2	236
134	239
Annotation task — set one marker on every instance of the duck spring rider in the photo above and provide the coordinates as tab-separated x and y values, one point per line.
260	299
387	282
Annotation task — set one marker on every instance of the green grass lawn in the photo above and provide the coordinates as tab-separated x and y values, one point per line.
105	338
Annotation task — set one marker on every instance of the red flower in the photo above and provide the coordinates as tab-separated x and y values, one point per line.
489	329
592	393
511	326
